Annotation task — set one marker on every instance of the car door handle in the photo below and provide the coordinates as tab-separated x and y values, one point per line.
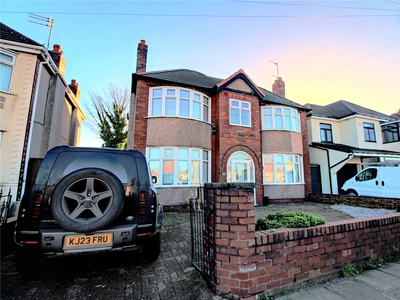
376	182
383	183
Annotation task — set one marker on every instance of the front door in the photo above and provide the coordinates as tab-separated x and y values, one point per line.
241	169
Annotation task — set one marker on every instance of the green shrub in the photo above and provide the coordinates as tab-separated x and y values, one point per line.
288	220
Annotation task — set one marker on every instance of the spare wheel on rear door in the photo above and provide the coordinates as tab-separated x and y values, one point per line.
87	200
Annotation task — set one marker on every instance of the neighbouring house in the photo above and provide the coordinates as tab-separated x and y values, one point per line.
195	128
38	108
344	138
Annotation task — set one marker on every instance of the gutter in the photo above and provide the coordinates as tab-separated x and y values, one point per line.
44	53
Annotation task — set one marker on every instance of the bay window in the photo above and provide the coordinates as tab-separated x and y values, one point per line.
282	168
280	118
178	166
177	102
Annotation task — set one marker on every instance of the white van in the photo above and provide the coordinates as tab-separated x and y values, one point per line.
376	182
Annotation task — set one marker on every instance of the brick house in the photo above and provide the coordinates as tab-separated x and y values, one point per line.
38	108
194	129
344	138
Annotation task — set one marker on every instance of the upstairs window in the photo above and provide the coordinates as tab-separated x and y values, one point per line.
176	102
239	113
391	132
280	118
369	132
7	62
326	132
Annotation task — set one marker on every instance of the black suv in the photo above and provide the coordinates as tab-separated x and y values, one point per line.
89	200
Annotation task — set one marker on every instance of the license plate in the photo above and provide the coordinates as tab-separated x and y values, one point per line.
76	241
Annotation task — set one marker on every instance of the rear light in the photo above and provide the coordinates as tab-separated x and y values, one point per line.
35	212
37	201
38	198
29	242
142	209
142	196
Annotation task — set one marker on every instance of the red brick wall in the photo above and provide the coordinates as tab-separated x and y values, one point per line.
306	154
248	263
227	141
142	107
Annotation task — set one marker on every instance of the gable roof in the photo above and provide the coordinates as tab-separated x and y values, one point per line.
9	34
210	85
342	109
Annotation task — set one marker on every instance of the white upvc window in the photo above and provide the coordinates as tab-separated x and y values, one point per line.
280	118
179	166
239	113
7	62
283	169
179	102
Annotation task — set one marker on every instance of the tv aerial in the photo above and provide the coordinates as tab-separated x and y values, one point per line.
277	69
48	22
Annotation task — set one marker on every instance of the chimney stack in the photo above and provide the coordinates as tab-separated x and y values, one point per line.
58	57
279	87
74	86
141	57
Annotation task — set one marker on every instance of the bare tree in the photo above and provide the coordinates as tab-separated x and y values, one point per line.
108	116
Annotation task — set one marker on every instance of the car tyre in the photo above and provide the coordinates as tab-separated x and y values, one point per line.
27	260
352	193
87	200
152	247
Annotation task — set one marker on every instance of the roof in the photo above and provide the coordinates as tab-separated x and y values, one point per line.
9	34
342	109
211	85
354	150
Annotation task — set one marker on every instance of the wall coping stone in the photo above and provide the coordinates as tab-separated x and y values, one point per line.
231	185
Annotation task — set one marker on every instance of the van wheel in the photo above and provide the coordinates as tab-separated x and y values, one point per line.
352	193
87	200
152	247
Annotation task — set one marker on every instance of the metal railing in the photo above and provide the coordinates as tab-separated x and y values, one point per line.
5	202
203	251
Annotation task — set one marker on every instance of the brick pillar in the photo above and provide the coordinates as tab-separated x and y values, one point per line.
230	236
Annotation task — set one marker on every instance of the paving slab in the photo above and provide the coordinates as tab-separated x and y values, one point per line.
319	293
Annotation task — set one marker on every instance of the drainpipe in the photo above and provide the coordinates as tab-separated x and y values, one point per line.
30	127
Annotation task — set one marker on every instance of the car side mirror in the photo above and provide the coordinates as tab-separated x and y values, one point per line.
357	178
154	179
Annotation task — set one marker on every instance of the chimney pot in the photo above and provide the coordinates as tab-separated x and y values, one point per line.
57	48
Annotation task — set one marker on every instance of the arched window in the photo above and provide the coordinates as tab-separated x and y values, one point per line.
240	168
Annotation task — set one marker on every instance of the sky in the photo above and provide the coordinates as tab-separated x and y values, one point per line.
325	51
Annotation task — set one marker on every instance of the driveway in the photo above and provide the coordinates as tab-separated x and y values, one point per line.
117	275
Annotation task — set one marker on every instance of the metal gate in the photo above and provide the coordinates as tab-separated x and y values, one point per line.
201	229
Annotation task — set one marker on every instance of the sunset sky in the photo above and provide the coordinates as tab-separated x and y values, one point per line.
325	50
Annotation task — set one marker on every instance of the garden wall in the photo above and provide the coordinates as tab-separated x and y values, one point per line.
370	202
248	263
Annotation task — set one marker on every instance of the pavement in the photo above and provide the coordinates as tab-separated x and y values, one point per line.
125	275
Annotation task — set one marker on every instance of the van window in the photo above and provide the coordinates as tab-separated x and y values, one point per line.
368	174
